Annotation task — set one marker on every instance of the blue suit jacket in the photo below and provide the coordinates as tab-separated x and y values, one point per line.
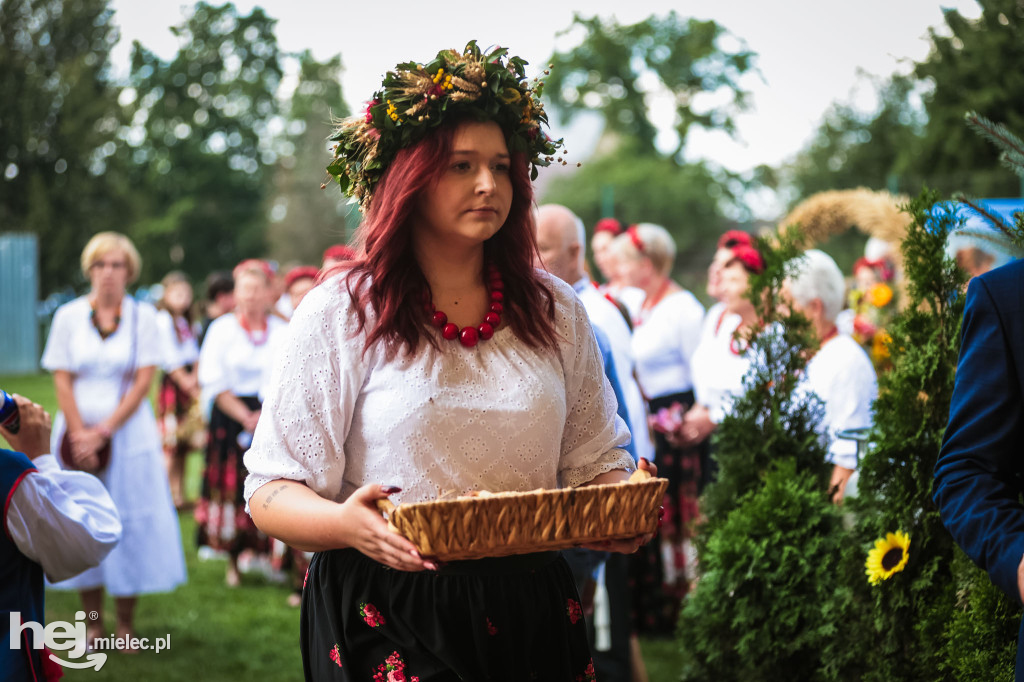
978	476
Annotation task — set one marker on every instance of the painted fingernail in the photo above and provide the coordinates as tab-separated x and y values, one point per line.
390	489
661	512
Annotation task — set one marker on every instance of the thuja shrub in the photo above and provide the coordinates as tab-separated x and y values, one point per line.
766	571
895	629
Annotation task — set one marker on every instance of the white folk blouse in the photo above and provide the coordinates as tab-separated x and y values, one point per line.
664	342
232	360
441	421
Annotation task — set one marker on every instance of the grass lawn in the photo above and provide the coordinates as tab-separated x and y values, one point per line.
218	633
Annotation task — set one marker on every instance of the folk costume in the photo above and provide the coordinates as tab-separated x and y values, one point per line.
233	359
149	557
464	410
665	337
441	421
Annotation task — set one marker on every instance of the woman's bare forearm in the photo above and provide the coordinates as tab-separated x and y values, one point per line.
291	512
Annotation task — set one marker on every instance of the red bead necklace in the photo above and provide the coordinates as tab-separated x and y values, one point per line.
253	339
468	336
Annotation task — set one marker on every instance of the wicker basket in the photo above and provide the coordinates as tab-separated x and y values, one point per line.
501	524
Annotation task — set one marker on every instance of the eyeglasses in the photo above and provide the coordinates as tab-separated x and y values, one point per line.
112	264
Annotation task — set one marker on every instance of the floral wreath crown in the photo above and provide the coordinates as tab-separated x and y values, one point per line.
414	98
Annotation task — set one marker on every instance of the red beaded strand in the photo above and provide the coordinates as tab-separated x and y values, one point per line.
469	336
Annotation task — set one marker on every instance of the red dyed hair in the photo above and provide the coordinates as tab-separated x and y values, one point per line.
386	277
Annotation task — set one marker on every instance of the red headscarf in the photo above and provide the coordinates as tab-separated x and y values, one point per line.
608	225
300	272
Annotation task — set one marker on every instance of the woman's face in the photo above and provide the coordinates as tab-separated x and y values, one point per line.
178	297
108	274
721	257
864	278
252	295
473	196
733	287
603	257
634	271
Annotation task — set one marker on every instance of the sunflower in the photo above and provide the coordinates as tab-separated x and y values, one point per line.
888	557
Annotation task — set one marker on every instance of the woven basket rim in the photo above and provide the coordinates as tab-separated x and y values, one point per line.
581	514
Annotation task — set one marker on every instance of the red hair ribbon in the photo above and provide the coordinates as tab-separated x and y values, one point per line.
634	237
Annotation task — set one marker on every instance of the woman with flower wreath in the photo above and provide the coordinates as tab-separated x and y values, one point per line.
437	362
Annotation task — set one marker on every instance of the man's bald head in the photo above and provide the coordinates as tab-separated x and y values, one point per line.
560	239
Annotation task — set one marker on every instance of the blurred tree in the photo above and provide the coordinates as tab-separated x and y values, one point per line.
58	121
616	71
200	136
854	149
917	136
979	67
304	219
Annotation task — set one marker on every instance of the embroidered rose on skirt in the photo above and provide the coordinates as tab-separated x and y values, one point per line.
393	670
371	615
574	610
336	655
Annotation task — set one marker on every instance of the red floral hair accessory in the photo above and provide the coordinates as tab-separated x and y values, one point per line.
749	258
608	225
734	238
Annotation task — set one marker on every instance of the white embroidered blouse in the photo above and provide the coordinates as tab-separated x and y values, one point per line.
442	421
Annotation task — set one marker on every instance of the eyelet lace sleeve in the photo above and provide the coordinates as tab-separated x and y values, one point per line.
312	394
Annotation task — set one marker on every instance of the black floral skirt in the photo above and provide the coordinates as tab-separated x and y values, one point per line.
514	618
221	521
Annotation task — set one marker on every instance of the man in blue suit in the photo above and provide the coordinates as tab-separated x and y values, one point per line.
979	476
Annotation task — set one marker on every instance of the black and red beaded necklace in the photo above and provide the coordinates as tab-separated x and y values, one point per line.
104	332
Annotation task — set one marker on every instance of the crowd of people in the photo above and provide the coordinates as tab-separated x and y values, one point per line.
460	343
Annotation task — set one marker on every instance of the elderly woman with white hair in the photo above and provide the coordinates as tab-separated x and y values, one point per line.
666	332
840	372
